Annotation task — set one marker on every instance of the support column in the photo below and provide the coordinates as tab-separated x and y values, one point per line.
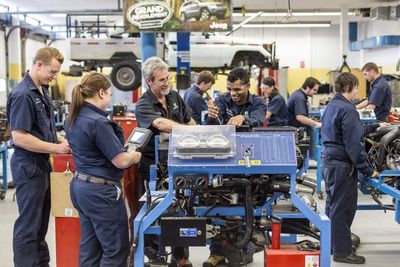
344	31
13	56
149	49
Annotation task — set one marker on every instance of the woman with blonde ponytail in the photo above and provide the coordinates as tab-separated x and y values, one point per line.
97	145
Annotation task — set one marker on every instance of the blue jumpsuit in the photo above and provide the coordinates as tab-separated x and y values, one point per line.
193	97
95	141
297	105
253	110
342	157
277	106
30	111
381	97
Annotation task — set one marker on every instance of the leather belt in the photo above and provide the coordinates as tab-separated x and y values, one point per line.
94	179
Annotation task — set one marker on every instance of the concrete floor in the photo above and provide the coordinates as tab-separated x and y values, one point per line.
380	236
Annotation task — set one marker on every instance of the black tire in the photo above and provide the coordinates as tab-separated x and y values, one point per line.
204	14
126	76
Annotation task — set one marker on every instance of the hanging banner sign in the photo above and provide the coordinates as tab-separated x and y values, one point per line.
177	15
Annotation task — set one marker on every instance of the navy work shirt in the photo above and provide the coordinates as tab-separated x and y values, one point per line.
149	108
30	111
193	97
254	110
297	105
95	141
381	97
342	134
277	106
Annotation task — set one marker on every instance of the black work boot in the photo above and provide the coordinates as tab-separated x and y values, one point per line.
352	259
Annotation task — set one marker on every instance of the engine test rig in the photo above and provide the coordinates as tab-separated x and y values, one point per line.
220	181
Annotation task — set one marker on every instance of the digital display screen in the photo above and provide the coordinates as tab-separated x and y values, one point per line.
137	137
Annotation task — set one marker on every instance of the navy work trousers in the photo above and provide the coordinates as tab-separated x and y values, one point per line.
104	224
341	202
31	177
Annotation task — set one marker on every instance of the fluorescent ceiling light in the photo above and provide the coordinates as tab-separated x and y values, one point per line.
288	25
297	14
58	15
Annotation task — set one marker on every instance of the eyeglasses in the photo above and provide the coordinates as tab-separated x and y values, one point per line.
237	90
50	71
168	79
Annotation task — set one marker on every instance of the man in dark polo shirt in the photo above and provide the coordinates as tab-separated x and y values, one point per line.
297	105
31	118
380	96
193	96
159	109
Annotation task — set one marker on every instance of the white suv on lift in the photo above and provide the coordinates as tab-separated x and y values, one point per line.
207	51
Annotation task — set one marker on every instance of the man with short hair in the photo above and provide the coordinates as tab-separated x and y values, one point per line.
193	96
34	136
159	109
238	106
297	105
380	95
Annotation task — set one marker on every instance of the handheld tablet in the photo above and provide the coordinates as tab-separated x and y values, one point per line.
138	139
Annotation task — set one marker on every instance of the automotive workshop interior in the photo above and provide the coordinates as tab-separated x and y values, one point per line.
189	133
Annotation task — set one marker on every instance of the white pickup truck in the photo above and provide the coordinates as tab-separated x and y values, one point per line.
207	51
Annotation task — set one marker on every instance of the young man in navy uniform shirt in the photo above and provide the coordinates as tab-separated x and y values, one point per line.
380	96
159	109
193	96
277	114
31	118
238	106
297	105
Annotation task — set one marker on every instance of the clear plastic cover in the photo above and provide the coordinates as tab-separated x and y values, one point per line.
211	141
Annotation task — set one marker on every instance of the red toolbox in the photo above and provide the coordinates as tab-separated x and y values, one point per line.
289	255
127	123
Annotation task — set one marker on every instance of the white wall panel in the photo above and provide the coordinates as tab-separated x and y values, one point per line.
317	47
320	47
31	46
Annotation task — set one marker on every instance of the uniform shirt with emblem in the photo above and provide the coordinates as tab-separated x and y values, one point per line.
193	97
254	110
277	106
30	111
381	97
297	105
149	108
342	134
95	140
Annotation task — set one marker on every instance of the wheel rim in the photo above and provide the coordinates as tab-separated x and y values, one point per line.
205	14
125	76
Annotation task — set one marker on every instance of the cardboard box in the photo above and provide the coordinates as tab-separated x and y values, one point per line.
61	205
